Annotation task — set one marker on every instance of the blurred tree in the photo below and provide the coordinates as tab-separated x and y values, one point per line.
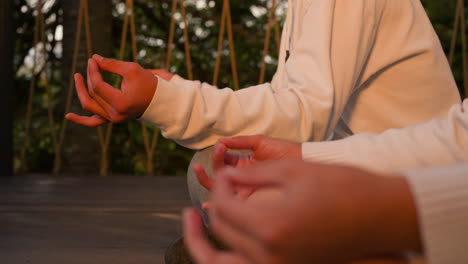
442	15
39	150
81	150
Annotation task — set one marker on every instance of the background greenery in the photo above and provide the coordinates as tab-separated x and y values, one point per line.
152	20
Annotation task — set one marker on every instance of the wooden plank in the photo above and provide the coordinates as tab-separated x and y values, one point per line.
89	220
6	77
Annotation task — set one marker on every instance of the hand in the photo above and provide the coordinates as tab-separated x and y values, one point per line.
110	104
263	148
204	253
322	214
199	247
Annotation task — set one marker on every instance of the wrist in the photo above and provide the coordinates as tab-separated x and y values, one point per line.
164	74
149	95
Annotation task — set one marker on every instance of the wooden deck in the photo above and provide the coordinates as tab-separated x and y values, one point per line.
74	220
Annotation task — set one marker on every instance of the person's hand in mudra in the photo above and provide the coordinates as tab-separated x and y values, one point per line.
306	213
109	104
261	148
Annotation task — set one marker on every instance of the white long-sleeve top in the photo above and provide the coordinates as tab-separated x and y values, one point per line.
437	143
354	66
441	194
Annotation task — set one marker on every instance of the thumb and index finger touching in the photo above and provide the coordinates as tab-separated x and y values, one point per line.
112	65
221	157
267	175
243	142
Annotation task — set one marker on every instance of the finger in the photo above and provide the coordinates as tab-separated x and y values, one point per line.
224	195
195	240
244	192
219	152
102	89
226	207
264	174
202	177
86	101
243	142
88	79
111	65
222	157
89	121
109	110
235	236
234	211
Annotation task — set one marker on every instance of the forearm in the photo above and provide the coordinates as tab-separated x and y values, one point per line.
440	142
381	217
393	223
196	115
362	214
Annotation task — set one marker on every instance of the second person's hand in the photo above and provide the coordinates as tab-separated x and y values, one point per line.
262	149
311	213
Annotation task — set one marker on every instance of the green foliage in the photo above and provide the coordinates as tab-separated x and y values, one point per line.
441	13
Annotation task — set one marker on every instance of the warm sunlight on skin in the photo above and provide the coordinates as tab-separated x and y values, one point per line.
109	104
307	213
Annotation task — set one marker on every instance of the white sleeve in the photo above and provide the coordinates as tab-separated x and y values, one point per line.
440	142
305	107
441	197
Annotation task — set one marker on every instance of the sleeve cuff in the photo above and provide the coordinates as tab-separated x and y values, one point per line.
164	92
441	197
161	102
331	152
176	79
